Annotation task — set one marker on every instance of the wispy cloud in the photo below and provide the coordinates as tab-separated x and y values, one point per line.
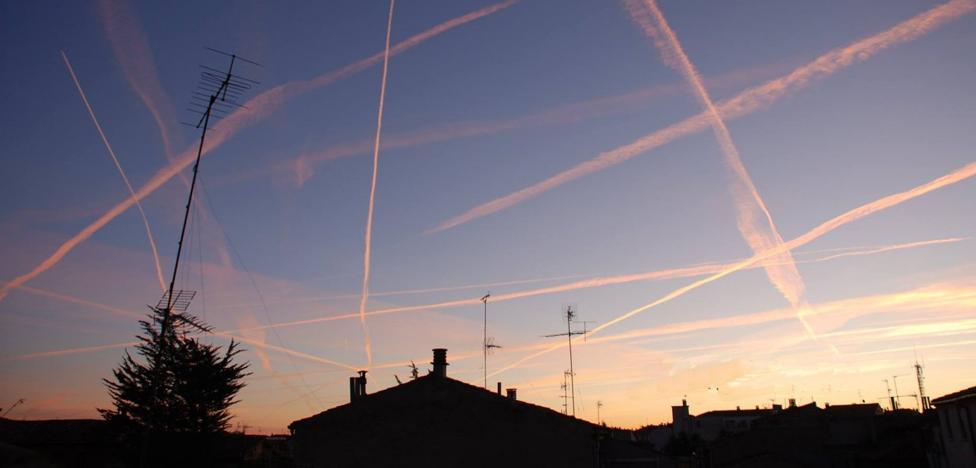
744	103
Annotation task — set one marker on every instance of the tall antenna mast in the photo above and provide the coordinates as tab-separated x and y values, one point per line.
487	344
565	388
224	88
923	400
570	315
219	90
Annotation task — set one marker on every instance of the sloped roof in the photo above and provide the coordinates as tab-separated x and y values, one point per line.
439	421
956	396
736	413
856	410
431	392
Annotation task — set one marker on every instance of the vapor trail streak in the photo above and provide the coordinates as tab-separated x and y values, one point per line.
131	49
290	352
683	272
78	300
742	104
258	108
64	352
590	283
889	201
405	292
115	159
302	165
368	237
749	205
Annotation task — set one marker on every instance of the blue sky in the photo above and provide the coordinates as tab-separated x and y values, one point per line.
560	82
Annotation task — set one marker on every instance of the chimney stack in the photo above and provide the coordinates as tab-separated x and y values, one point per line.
499	388
440	362
792	402
511	392
357	386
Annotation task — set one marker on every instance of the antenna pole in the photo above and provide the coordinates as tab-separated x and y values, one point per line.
484	342
572	374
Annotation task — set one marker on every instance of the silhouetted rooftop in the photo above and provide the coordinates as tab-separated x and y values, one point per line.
956	396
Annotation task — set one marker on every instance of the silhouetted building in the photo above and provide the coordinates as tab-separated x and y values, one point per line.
953	441
438	421
861	435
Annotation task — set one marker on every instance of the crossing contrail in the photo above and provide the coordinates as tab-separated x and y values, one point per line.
742	104
696	270
867	209
368	237
683	272
750	207
132	51
258	108
118	165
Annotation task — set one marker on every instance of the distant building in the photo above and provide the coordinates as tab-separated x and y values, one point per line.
706	426
438	421
954	441
861	435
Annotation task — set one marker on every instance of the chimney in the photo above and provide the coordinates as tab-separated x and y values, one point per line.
499	388
777	407
511	392
357	386
792	402
440	362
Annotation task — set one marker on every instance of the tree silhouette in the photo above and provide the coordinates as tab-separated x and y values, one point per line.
179	385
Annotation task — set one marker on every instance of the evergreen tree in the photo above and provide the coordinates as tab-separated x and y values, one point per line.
179	385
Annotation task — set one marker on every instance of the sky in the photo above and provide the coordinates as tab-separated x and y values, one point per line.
743	202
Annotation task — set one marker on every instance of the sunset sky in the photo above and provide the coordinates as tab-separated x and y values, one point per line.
747	201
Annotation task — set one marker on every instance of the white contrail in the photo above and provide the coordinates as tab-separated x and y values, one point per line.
118	165
750	207
867	209
257	109
742	104
368	237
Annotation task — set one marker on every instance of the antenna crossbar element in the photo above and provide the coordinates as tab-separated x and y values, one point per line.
179	302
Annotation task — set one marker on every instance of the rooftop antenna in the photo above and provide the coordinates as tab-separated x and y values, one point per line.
894	379
487	344
219	90
923	400
599	404
891	399
570	315
414	372
16	404
565	387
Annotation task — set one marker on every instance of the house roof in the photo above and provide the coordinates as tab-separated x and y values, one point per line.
736	413
956	396
432	393
857	410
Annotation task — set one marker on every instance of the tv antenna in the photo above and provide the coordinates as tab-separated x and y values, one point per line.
219	90
923	400
565	387
16	404
570	315
599	404
414	372
487	344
